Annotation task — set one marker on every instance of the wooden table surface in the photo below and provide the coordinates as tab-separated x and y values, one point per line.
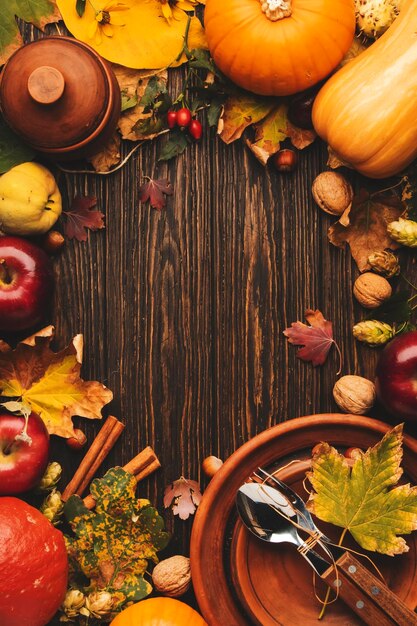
183	310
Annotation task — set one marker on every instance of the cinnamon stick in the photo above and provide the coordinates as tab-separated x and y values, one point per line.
99	449
142	465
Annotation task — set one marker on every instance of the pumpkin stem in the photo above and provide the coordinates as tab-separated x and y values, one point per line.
276	9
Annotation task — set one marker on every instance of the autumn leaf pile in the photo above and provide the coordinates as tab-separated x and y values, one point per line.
112	544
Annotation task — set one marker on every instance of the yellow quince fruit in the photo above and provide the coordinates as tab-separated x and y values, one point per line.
30	201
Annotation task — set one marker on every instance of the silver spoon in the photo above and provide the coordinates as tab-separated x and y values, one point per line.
269	516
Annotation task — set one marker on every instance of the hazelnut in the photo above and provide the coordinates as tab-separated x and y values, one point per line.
172	577
53	242
332	192
371	290
211	465
285	160
78	441
354	394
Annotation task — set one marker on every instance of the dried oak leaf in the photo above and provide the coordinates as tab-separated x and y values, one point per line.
364	498
49	382
239	112
108	156
364	226
300	137
154	191
183	496
133	83
317	338
81	217
113	544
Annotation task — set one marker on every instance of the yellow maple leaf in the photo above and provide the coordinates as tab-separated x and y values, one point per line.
365	498
49	382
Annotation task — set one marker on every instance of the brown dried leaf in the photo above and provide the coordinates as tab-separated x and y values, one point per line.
108	156
300	138
356	48
334	161
183	496
133	83
364	226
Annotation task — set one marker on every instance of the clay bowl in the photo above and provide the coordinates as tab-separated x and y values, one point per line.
60	97
275	585
239	581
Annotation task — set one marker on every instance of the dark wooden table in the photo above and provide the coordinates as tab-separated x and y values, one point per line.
183	310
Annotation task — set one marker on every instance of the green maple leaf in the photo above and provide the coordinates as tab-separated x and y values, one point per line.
37	12
365	498
114	542
12	150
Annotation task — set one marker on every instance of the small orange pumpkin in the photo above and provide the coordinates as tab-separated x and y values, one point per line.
278	47
159	612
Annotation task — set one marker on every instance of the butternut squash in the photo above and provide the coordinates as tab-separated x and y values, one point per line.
367	111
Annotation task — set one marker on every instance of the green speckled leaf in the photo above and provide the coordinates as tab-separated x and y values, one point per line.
38	12
113	544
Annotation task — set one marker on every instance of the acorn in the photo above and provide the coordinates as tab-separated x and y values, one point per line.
211	465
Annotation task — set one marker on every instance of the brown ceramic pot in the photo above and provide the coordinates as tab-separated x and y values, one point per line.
60	97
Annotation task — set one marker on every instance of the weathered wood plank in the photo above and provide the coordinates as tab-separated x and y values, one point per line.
183	310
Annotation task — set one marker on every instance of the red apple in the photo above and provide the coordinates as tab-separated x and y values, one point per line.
396	376
26	283
22	463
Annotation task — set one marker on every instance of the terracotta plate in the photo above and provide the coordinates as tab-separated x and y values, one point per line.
240	581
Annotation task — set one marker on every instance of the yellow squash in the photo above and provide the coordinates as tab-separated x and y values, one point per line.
367	111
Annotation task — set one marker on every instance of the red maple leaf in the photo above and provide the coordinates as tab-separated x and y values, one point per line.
183	496
154	191
82	217
317	338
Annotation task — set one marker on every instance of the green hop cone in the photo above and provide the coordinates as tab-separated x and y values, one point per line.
404	232
51	477
99	604
385	263
53	507
373	332
73	603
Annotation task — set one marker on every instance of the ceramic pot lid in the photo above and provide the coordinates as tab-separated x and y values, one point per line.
54	92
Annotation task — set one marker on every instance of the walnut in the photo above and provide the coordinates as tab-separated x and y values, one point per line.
354	394
172	577
371	290
332	192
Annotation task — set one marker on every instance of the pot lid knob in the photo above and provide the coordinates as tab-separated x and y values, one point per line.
46	84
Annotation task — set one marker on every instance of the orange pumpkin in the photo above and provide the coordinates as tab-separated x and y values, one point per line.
159	612
33	565
278	47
